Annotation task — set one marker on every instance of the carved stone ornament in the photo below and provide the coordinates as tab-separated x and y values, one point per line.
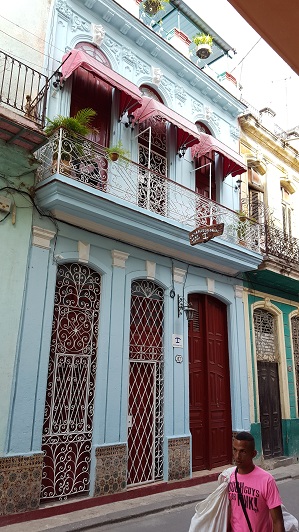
98	34
156	75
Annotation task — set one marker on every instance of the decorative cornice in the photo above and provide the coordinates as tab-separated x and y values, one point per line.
83	251
179	275
119	258
150	269
41	238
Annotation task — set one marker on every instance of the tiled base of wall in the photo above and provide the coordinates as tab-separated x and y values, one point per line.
20	483
111	469
178	458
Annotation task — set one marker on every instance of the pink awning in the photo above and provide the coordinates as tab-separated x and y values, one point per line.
187	133
130	97
232	161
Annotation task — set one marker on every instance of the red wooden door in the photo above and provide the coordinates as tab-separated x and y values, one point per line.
209	384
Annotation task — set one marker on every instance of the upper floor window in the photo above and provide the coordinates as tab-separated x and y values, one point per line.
205	182
286	212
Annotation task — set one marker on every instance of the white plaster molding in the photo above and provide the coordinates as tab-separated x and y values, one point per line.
179	275
211	285
83	251
98	34
156	75
41	238
150	269
238	291
119	258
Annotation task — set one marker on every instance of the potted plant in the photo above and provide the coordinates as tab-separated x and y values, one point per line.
244	226
151	7
117	152
78	125
204	45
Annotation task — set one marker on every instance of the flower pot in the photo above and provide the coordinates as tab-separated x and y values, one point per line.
113	156
203	51
151	7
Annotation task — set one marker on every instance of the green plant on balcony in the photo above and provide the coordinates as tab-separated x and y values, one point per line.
78	125
243	226
204	44
151	7
118	152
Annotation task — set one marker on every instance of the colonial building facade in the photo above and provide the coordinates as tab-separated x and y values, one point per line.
108	384
270	196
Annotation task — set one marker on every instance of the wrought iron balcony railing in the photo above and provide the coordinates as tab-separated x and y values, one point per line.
274	241
281	245
23	88
87	162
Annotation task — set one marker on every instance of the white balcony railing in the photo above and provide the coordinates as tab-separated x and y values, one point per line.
87	162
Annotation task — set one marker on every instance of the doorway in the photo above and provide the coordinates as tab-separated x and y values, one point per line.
267	356
209	384
69	405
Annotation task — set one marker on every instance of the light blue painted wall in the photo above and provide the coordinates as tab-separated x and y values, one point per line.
110	415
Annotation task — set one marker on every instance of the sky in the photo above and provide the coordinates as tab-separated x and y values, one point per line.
266	79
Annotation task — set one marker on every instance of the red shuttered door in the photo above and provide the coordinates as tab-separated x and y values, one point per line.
209	384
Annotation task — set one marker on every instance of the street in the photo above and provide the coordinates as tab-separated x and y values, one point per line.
179	519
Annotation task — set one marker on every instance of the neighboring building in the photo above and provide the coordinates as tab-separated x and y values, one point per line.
270	191
107	384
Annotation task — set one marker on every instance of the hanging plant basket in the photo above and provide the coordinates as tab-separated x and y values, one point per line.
203	51
151	7
113	156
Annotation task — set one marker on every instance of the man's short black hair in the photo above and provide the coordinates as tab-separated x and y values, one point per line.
245	436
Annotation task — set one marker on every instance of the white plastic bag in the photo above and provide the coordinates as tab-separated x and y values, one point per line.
290	522
211	513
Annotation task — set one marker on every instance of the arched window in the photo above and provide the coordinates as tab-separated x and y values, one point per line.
146	383
88	90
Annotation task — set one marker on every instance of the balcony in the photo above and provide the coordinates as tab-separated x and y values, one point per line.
23	96
128	197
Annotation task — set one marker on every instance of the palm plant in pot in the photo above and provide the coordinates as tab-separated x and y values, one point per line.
118	152
204	45
151	7
75	126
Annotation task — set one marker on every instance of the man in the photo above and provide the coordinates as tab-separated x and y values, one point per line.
260	493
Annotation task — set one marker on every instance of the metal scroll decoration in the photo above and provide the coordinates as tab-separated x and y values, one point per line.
146	383
68	419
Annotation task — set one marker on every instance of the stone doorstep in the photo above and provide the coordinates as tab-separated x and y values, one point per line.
280	461
60	508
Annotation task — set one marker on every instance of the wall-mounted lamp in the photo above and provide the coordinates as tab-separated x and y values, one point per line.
57	81
130	121
187	308
182	151
238	184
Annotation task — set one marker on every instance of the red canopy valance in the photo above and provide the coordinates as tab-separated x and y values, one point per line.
232	161
130	95
187	133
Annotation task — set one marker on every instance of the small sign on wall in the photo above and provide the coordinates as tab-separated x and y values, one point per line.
177	340
178	359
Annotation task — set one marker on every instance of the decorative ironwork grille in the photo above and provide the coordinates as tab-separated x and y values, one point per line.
295	338
91	166
68	420
152	193
146	384
265	331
